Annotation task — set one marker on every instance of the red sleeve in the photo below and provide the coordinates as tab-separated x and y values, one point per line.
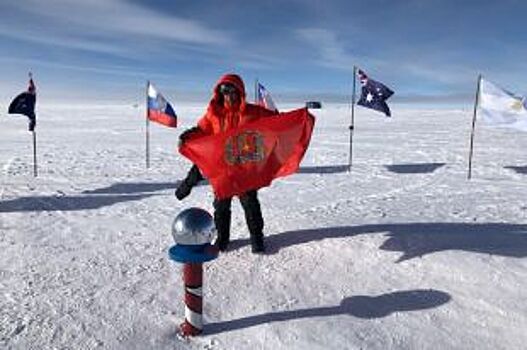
205	125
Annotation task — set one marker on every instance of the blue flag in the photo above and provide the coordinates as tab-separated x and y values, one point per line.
374	94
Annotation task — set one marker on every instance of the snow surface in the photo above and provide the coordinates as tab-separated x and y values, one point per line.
400	253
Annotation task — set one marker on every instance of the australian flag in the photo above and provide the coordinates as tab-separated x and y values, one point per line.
25	104
159	109
374	94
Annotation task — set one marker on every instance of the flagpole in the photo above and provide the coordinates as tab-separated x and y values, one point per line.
352	125
147	132
256	91
471	151
35	173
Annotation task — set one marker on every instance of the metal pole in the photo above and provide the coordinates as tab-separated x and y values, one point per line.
471	151
352	125
256	91
35	172
147	132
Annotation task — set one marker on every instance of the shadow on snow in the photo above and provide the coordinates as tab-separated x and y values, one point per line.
65	203
134	187
323	169
416	168
138	187
518	169
417	239
360	306
92	199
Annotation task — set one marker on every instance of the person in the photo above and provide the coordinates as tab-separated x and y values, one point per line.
227	110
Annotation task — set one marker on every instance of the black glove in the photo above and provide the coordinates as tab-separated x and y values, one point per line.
186	134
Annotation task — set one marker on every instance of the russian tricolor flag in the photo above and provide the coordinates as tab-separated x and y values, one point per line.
159	109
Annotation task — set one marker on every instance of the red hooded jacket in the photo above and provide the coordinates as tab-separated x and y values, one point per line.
219	119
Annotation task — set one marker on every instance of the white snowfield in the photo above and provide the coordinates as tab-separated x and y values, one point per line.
403	252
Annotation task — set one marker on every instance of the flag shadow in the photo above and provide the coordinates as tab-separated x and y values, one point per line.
518	169
333	169
416	239
138	187
415	168
65	203
360	306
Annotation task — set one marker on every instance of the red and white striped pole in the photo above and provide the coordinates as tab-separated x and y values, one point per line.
193	280
193	230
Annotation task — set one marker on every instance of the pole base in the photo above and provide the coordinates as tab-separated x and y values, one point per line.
188	330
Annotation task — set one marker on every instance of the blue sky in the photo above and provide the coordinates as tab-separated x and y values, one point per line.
107	49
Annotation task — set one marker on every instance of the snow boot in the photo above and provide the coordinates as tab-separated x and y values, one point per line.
257	243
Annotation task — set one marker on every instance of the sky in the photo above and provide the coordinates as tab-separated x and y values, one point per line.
107	49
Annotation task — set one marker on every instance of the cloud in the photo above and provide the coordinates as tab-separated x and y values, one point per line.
102	70
330	50
107	26
62	40
395	62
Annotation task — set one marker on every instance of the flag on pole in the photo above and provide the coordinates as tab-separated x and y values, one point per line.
159	109
374	94
500	108
251	156
263	98
24	104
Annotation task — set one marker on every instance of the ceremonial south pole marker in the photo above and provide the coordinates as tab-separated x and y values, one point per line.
193	231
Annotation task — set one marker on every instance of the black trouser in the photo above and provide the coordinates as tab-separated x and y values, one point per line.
193	177
222	210
253	216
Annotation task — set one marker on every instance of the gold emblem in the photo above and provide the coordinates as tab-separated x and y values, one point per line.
244	148
517	105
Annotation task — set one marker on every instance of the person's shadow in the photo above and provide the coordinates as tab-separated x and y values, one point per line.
360	306
139	187
65	203
90	199
133	187
415	239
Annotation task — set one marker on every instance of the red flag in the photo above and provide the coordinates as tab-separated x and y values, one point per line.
251	156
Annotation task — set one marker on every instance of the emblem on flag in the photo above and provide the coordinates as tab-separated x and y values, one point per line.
245	147
501	108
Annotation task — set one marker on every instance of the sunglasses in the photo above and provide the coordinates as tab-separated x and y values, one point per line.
227	89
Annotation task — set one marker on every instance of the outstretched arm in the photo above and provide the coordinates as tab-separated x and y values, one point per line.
186	134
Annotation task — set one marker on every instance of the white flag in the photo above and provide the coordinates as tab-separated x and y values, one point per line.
500	108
